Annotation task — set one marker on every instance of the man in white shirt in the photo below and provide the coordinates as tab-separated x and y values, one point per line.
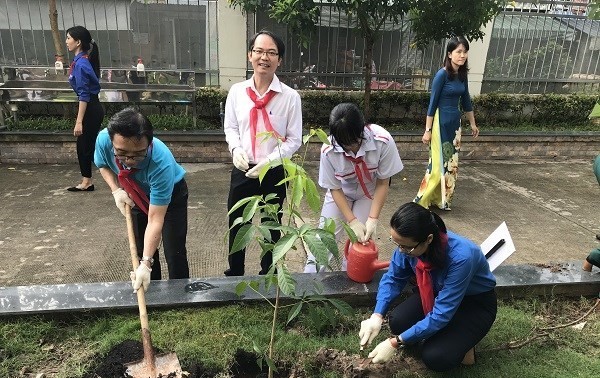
260	104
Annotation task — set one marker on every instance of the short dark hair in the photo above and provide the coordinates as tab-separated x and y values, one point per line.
278	42
346	124
453	43
130	123
412	220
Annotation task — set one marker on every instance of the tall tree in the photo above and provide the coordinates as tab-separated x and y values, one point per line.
432	20
58	41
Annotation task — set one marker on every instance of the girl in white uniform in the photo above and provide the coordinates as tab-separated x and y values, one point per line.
355	169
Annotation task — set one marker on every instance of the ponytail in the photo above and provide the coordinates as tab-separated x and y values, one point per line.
94	57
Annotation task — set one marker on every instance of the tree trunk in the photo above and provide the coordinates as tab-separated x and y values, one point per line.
368	54
58	41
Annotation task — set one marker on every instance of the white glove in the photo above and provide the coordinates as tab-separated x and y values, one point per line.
358	228
369	329
371	226
240	158
140	278
254	172
383	352
121	199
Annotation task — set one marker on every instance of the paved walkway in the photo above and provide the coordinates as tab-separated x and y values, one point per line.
51	236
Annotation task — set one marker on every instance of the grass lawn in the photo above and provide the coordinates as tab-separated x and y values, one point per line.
73	345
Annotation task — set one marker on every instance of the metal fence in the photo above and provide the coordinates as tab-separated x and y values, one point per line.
535	47
544	46
333	59
166	35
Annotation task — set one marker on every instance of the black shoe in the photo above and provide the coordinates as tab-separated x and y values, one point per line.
598	236
231	273
76	189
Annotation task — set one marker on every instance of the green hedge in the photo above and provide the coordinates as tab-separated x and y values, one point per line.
407	110
395	110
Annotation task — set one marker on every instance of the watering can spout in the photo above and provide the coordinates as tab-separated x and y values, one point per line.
362	261
378	264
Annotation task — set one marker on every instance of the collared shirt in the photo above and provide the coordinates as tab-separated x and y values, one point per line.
285	115
378	150
83	79
157	174
467	272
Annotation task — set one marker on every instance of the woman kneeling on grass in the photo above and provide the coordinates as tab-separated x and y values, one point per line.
455	305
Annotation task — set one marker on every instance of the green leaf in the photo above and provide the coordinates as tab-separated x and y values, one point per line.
263	171
329	225
343	307
294	311
240	288
297	191
322	136
317	248
250	209
328	238
255	285
351	234
270	197
271	225
240	203
283	245
304	228
312	195
264	232
271	364
242	238
306	138
296	213
285	281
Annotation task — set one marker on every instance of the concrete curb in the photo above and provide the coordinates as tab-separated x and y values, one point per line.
514	281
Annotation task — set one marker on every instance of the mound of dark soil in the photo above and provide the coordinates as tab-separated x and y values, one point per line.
112	366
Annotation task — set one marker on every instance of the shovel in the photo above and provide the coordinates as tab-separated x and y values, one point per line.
152	365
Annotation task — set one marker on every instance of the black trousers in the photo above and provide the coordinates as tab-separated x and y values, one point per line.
174	234
86	142
242	187
446	349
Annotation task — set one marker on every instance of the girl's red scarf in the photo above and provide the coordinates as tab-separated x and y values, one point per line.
424	280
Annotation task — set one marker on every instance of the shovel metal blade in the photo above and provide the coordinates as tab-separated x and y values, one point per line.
165	365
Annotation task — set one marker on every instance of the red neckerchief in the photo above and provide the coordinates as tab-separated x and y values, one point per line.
424	280
73	63
260	105
360	168
131	187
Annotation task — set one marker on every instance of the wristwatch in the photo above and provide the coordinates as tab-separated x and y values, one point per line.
149	259
427	130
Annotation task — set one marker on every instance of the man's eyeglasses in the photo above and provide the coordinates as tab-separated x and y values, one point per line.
137	157
270	53
404	249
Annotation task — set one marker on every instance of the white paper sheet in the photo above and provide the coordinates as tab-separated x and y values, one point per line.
503	252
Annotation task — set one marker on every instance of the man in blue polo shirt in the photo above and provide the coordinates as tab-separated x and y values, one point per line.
142	172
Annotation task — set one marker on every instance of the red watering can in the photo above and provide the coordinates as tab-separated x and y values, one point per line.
362	261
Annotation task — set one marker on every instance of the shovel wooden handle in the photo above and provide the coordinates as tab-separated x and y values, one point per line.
149	356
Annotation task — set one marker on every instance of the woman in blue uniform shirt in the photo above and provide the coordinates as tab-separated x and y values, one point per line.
84	75
455	305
